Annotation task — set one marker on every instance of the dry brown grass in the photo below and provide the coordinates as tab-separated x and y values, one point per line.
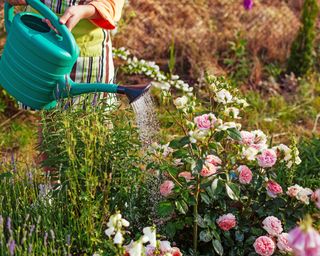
202	28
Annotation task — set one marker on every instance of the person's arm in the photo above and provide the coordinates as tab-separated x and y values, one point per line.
74	14
103	13
17	2
109	12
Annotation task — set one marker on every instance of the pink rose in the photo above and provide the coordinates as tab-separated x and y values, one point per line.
255	139
272	225
166	188
315	197
245	174
186	175
176	251
208	170
264	246
294	190
205	121
267	158
283	243
304	241
165	247
212	159
273	189
227	221
247	138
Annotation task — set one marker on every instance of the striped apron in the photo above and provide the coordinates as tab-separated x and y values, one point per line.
95	63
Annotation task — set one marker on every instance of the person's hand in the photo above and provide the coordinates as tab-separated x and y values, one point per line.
17	2
74	14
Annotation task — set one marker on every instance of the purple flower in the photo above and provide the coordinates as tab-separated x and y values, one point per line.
31	230
12	246
30	249
248	4
9	225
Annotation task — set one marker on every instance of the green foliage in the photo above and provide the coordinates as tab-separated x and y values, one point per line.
172	58
237	60
94	161
302	51
308	171
273	69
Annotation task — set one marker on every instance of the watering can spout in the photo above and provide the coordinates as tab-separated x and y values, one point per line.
133	93
68	88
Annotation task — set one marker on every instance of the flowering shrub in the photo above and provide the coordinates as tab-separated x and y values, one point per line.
219	181
116	232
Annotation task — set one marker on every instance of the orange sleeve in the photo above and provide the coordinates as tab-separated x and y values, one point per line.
110	12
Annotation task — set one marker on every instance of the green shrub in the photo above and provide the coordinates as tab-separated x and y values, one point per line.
302	52
308	172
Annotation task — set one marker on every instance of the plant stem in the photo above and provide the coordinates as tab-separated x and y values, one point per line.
195	218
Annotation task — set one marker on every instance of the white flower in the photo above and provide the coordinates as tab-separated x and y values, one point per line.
165	246
260	138
290	155
166	150
181	102
242	102
250	153
232	111
113	221
223	96
150	233
109	231
198	135
177	162
294	190
118	238
286	150
304	194
213	87
136	249
228	125
124	222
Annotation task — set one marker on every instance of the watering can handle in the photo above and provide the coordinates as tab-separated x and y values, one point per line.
8	15
66	35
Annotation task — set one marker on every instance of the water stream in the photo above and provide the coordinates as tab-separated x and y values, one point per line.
146	118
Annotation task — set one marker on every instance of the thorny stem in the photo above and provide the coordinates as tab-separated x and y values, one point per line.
172	177
195	217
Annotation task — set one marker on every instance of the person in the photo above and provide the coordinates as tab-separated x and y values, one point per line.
90	22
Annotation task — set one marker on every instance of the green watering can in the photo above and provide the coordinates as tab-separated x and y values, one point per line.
36	62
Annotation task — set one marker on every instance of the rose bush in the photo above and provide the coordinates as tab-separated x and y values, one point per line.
224	188
227	180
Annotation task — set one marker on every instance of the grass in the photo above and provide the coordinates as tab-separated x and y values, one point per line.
281	115
18	136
